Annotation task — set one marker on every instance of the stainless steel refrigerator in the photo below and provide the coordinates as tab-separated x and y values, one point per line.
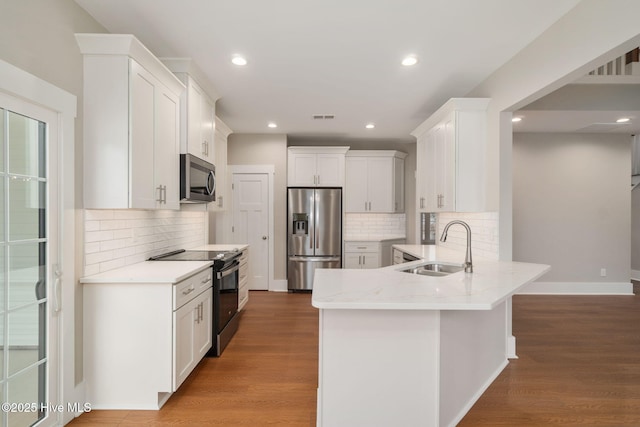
314	218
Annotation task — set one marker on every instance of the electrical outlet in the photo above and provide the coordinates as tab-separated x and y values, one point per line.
603	272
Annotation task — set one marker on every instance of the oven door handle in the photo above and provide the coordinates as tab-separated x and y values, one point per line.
229	271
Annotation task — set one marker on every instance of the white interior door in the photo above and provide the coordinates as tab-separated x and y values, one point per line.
29	258
251	223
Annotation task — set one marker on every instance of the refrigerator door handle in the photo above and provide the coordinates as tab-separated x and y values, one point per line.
314	258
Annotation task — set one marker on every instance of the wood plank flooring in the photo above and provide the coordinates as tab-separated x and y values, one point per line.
579	365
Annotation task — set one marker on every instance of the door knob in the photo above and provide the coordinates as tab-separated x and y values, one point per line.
264	237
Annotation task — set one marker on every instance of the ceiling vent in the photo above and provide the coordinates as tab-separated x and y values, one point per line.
323	116
601	127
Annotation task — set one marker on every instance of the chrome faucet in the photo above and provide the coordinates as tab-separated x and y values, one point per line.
468	266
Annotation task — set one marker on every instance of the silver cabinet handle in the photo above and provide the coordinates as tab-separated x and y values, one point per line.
421	202
159	199
188	291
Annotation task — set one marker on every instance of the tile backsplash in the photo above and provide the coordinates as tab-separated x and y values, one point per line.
374	225
115	238
484	233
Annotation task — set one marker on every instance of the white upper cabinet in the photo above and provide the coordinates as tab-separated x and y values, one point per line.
316	166
197	112
222	132
131	125
451	150
374	181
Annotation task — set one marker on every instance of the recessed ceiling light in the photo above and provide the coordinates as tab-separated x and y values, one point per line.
272	125
623	120
370	126
409	61
239	60
516	119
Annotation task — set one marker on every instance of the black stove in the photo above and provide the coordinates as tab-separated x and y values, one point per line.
219	258
226	265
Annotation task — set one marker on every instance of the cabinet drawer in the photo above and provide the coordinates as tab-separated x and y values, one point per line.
361	246
191	287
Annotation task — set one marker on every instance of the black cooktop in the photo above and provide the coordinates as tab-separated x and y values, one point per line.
218	257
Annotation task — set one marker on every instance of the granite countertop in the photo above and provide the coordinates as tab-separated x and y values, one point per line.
390	289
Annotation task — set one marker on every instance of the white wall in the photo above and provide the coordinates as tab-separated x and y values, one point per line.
572	205
635	233
588	36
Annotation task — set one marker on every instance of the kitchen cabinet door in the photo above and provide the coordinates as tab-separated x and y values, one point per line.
200	123
221	135
142	95
398	183
356	192
380	178
330	170
374	181
166	161
302	170
193	335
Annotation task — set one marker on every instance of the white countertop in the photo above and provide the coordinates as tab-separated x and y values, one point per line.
149	272
159	271
389	289
221	247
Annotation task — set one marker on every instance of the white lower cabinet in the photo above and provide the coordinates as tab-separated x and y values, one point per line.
143	337
369	254
243	286
193	325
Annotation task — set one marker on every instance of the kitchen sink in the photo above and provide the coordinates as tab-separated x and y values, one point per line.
435	269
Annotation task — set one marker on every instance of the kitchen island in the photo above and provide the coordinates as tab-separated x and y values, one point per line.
412	350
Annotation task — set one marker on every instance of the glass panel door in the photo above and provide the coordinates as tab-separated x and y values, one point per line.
24	249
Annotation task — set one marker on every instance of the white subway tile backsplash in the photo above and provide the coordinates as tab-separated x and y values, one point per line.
116	238
484	232
374	225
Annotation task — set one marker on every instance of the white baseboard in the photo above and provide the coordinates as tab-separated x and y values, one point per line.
635	274
577	288
278	286
511	347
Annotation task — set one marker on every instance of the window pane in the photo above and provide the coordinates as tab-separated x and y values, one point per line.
26	145
3	238
1	140
26	209
27	274
24	338
25	388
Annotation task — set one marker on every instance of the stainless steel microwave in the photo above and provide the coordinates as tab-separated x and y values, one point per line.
197	180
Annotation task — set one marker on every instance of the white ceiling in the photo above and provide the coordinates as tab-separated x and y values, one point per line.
339	57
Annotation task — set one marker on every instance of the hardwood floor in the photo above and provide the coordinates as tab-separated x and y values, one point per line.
267	375
579	364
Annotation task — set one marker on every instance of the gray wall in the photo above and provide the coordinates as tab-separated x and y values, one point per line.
635	231
572	205
267	149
